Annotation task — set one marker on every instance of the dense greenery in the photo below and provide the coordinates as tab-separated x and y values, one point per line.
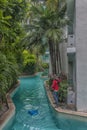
45	65
8	75
29	61
12	13
46	28
62	90
21	45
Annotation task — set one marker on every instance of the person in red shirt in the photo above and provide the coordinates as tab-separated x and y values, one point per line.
55	87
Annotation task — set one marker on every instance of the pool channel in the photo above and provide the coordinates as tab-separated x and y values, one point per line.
31	95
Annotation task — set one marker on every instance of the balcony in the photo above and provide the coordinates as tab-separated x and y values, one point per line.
71	49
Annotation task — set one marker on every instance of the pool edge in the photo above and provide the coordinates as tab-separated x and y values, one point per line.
59	109
11	108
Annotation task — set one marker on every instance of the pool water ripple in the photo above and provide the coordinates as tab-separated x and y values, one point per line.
31	96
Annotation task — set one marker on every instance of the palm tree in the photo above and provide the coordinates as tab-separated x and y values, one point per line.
8	75
47	28
12	13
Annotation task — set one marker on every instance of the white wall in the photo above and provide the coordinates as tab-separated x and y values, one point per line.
81	54
63	53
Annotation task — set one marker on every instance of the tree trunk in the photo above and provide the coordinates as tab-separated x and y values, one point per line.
1	37
55	58
51	49
60	61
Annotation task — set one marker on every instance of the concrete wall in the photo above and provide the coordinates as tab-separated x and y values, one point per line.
81	54
70	13
63	53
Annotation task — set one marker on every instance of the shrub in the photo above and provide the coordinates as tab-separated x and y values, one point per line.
29	62
63	91
30	67
8	75
45	65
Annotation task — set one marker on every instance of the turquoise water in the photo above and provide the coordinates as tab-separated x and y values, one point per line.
31	96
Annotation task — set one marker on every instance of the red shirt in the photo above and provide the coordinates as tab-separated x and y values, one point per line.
55	85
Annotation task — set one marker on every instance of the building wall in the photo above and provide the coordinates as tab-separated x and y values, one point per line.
81	54
63	53
70	13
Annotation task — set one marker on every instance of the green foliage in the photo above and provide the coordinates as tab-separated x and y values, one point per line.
29	62
45	72
12	13
8	75
30	67
50	83
63	91
44	68
46	28
45	65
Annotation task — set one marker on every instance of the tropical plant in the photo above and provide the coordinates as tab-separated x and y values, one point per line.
29	62
46	28
12	13
8	75
63	91
45	65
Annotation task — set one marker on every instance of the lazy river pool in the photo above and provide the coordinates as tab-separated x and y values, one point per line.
31	96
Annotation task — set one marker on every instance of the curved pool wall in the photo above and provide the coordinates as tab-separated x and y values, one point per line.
7	117
66	119
31	96
69	122
48	119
